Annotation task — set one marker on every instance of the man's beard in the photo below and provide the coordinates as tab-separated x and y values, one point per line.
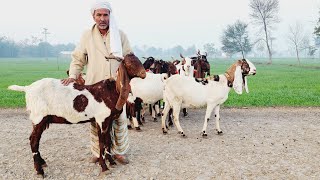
104	26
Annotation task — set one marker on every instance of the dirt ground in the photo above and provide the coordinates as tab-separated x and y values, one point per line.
257	143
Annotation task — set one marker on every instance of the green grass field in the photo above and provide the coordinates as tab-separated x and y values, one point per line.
284	83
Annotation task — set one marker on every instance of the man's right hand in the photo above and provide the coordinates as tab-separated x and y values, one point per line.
67	81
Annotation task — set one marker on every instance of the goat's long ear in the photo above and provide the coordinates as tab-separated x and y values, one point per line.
245	84
123	83
237	82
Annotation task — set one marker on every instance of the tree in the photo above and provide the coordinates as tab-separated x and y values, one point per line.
8	48
265	14
311	51
298	39
317	28
209	48
235	39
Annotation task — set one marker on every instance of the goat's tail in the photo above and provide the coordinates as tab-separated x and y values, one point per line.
18	88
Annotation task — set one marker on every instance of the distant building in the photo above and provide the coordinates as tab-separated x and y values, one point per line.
65	54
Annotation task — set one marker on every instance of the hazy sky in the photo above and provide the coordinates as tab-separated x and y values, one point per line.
164	23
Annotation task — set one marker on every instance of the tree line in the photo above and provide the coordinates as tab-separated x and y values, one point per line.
235	39
35	47
31	47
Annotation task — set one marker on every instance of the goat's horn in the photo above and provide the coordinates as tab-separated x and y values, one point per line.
198	53
181	55
114	57
144	57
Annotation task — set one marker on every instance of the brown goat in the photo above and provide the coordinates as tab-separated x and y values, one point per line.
101	102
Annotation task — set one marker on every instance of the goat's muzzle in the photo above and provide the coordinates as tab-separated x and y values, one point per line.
142	74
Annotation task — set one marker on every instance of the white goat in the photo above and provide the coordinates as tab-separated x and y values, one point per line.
150	89
182	91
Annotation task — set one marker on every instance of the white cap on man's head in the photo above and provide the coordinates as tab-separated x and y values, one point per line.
100	4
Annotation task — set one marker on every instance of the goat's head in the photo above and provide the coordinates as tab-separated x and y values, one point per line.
133	66
238	73
186	65
201	66
149	61
169	68
129	68
202	56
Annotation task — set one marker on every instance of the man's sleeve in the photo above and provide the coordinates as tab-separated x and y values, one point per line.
78	58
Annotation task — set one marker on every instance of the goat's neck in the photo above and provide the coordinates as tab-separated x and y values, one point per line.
230	74
230	79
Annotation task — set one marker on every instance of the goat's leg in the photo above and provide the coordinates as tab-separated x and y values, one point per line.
130	122
153	113
165	111
170	118
157	108
176	111
150	109
206	119
143	112
135	124
102	146
35	137
139	117
185	112
108	142
217	117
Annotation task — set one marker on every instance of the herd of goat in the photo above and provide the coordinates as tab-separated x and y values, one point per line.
180	84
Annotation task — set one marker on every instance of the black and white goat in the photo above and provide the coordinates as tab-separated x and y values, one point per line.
49	101
182	91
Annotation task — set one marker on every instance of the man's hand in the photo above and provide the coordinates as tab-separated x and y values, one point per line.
67	81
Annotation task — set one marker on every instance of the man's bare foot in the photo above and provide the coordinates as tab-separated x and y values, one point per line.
122	159
94	159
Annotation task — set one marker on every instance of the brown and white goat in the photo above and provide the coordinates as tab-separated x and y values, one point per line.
182	91
49	101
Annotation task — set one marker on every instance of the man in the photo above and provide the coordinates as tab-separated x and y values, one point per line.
102	40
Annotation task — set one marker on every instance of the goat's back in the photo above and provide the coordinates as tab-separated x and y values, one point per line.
189	92
150	89
49	96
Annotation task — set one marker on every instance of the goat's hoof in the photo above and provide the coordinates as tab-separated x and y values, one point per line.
204	135
185	114
104	173
112	163
138	129
44	165
129	127
155	120
183	135
219	132
164	131
159	114
40	174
